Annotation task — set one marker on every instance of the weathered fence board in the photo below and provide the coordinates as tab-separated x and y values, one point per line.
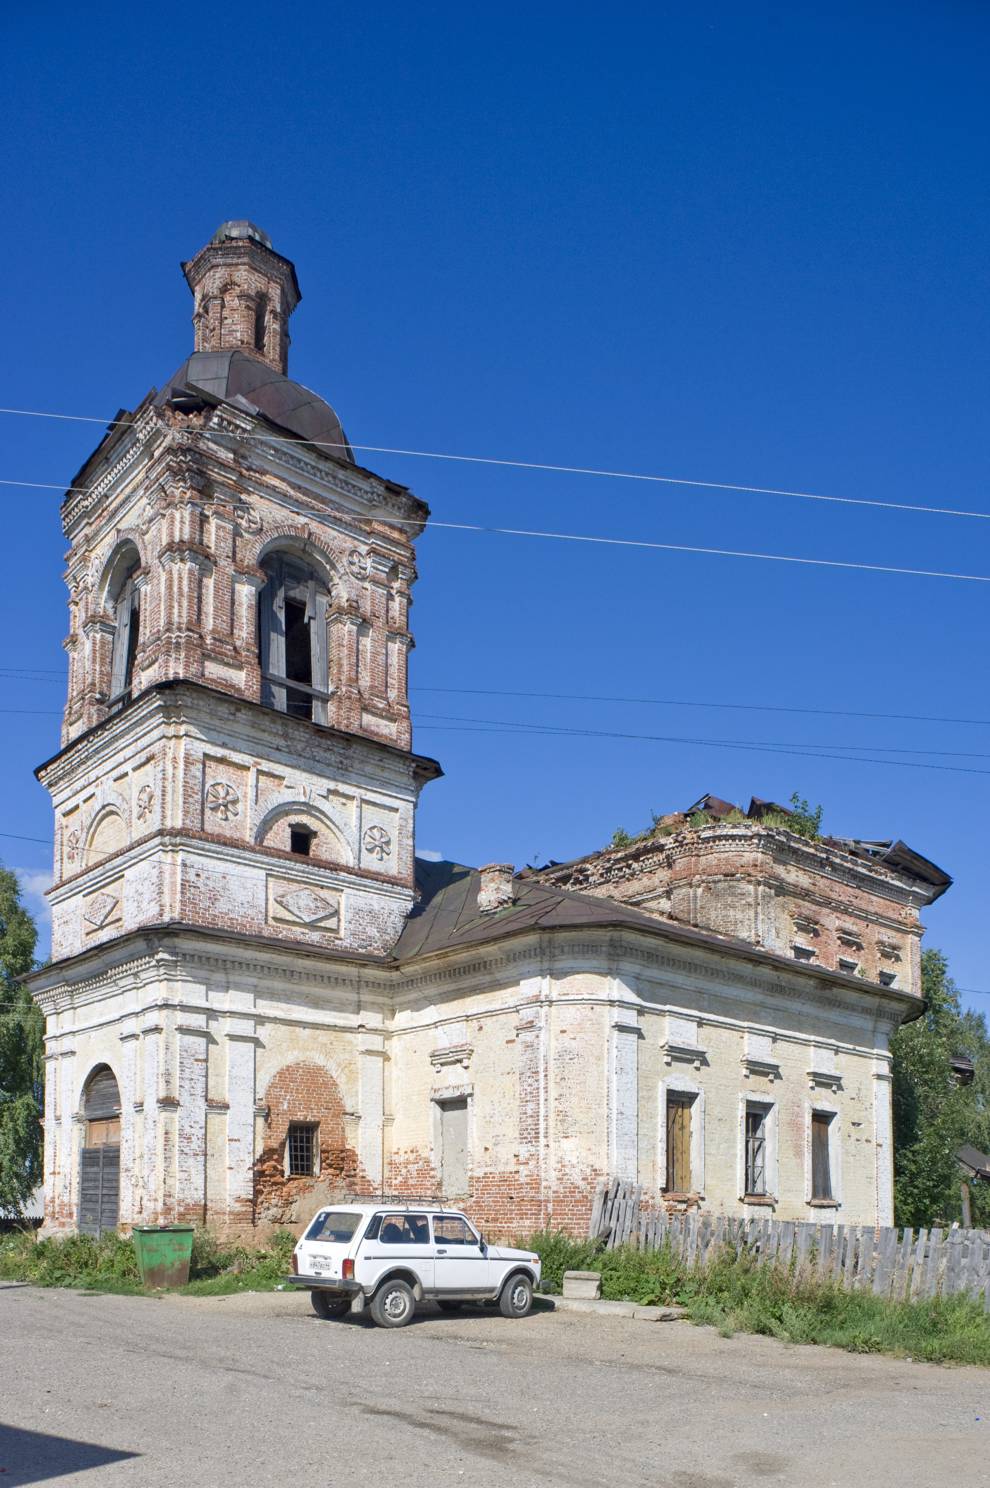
904	1265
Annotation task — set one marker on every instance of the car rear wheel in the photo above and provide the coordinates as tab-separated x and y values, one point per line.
327	1307
516	1298
393	1305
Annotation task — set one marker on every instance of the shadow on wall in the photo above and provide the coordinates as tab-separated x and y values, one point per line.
35	1457
304	1161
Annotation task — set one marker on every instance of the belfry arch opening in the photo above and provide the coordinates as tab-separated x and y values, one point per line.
99	1157
123	598
292	638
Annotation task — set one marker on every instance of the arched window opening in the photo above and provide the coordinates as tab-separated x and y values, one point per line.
125	640
260	322
292	624
101	1108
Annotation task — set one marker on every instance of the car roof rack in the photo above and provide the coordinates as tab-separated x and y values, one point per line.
403	1201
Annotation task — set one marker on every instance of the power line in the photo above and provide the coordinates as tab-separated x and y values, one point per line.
507	726
57	677
628	542
587	697
537	465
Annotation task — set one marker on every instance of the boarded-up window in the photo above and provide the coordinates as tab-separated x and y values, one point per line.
679	1143
756	1150
821	1170
453	1148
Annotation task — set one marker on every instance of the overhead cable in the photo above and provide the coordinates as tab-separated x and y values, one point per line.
536	465
630	542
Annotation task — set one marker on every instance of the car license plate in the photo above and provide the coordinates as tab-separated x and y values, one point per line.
323	1264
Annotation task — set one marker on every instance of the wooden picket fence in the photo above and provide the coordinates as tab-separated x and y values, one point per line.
904	1265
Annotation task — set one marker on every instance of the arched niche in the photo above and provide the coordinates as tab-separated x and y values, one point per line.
107	835
286	825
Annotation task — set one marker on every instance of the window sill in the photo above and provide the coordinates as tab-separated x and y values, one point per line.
823	1203
763	1201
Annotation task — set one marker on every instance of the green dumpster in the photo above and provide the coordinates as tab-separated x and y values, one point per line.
163	1254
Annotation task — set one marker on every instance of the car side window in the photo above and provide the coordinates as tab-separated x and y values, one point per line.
451	1229
405	1229
374	1227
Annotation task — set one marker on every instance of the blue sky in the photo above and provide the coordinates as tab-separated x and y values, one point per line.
741	244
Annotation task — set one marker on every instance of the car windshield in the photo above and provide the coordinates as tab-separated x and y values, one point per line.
334	1225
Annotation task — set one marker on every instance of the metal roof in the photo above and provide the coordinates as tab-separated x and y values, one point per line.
446	918
976	1161
237	377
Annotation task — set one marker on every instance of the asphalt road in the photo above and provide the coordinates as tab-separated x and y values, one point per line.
248	1390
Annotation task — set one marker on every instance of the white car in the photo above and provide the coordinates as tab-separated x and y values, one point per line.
389	1256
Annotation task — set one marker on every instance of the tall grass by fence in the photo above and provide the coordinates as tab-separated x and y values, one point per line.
902	1265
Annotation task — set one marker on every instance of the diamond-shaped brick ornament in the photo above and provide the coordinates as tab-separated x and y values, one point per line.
99	909
308	907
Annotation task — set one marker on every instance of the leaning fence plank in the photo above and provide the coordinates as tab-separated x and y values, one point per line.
883	1268
934	1264
597	1208
918	1270
824	1240
953	1257
691	1251
864	1258
852	1248
902	1267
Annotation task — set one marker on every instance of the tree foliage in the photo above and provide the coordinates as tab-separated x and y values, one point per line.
21	1054
933	1114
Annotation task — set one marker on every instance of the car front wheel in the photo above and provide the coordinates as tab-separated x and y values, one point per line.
327	1307
516	1299
393	1305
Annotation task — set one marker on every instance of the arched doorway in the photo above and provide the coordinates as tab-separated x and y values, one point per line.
99	1160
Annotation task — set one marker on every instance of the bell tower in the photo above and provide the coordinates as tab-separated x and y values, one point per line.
244	293
236	778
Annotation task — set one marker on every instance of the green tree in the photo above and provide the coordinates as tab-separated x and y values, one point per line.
933	1115
21	1054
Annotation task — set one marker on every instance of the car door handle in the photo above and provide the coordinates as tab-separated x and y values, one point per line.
441	1252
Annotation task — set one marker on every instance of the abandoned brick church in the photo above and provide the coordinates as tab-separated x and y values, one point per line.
259	997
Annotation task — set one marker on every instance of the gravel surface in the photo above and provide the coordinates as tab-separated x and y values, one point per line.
253	1389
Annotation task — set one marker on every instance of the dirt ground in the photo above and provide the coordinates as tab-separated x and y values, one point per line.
253	1389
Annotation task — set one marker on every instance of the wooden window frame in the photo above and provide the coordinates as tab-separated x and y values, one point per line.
827	1116
126	639
294	581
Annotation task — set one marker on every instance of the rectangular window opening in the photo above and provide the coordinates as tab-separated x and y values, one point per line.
756	1151
301	840
679	1143
302	1149
821	1168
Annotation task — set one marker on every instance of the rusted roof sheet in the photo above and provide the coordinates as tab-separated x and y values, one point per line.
231	376
447	918
975	1161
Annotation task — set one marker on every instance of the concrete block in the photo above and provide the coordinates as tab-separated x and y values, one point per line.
583	1285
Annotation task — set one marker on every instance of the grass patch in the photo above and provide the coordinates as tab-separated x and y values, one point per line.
736	1296
109	1264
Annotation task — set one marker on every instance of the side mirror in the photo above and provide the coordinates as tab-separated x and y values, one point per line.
483	1243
